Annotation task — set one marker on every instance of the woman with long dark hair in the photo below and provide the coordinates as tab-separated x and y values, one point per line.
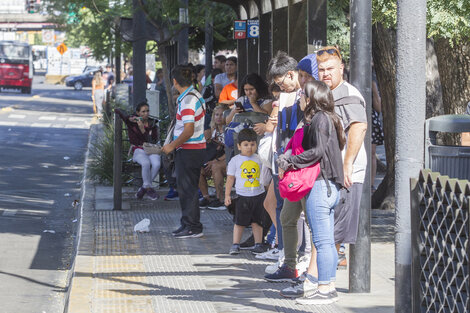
323	141
254	96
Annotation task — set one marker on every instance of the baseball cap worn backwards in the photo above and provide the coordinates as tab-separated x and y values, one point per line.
309	64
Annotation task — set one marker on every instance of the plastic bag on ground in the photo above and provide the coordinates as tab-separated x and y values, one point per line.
142	226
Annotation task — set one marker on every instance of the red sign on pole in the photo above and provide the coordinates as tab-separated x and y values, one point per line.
239	30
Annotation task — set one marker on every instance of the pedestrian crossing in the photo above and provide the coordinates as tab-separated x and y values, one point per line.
45	121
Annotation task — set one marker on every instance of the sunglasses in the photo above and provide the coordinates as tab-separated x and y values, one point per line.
331	51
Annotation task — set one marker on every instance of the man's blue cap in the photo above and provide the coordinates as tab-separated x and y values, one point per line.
309	64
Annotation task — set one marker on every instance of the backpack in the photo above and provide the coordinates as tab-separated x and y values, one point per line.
232	130
297	183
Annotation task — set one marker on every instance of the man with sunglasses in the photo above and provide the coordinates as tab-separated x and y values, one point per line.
350	106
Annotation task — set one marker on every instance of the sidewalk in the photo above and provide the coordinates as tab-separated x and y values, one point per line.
117	270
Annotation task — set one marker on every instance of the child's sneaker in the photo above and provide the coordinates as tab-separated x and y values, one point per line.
258	248
248	244
172	195
283	274
235	249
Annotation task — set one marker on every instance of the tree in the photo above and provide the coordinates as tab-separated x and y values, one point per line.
90	23
448	26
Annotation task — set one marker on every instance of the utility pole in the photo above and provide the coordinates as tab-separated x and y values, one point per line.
138	58
361	78
183	46
410	117
209	42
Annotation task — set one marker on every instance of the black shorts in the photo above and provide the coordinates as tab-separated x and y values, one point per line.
249	210
347	214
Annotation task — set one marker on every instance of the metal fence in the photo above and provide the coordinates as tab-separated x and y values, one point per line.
440	243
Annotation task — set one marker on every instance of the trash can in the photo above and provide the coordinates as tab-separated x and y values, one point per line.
453	161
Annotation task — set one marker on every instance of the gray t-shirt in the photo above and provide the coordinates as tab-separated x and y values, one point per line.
247	172
222	79
351	108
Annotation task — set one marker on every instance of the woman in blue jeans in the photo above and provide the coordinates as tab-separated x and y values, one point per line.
323	141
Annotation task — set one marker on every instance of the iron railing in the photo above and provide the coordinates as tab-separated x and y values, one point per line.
440	243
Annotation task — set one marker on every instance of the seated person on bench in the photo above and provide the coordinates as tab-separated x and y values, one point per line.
140	130
214	164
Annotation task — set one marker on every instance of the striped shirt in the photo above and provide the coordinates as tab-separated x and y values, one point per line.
191	109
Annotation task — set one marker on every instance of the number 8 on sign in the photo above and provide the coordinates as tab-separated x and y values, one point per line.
253	28
254	31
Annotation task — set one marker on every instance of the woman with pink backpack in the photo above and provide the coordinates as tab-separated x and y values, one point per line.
323	139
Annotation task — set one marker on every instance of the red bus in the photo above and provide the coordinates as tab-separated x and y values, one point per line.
16	66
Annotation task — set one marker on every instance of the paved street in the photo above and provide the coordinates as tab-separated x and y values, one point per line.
43	138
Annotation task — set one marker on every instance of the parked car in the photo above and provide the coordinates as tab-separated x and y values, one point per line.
82	80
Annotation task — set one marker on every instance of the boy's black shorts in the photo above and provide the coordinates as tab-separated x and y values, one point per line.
249	210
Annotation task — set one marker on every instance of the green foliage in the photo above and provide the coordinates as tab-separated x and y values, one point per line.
338	25
90	23
222	16
102	155
445	19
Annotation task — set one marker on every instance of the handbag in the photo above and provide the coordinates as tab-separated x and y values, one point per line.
152	148
265	149
297	183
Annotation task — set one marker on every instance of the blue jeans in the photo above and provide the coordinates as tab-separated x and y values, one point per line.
279	204
320	210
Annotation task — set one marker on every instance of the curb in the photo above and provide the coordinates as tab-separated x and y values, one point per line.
77	297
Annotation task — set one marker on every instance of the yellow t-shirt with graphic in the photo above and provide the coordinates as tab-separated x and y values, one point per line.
247	172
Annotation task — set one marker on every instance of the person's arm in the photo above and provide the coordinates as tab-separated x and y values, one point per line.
228	189
208	134
228	102
188	131
234	111
93	88
272	121
317	137
376	100
218	89
256	107
356	134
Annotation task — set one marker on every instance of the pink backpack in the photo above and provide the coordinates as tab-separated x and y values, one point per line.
296	184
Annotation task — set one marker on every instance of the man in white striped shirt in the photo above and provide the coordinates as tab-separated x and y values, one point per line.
190	146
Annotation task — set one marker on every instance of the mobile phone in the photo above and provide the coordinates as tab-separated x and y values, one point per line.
239	105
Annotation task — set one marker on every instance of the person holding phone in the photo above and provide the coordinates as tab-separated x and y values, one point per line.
254	96
142	129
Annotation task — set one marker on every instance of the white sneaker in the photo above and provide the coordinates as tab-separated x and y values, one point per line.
272	268
273	254
264	255
302	263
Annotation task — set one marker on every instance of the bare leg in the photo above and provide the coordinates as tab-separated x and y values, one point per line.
373	170
237	233
203	185
257	232
270	203
312	267
218	173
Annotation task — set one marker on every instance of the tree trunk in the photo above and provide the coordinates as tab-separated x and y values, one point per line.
166	76
384	55
454	68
